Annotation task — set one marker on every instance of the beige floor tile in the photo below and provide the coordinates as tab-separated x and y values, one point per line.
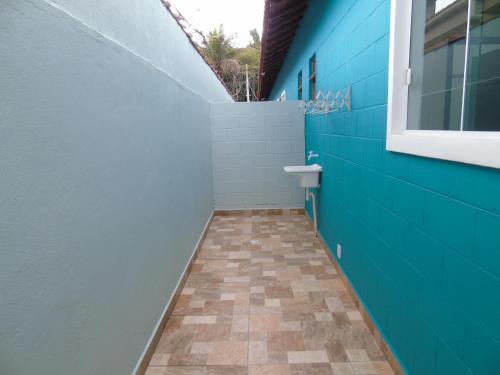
272	302
257	352
354	315
323	317
305	286
291	326
334	304
240	323
319	356
357	355
269	273
256	289
228	297
196	304
202	347
263	298
280	369
342	368
210	319
183	370
236	279
363	368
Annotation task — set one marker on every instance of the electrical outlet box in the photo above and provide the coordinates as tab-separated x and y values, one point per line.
339	251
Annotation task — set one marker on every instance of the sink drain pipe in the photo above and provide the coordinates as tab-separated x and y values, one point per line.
310	194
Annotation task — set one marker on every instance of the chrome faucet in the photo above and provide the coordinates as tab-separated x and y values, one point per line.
312	155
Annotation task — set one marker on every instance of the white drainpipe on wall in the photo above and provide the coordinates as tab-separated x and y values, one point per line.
310	194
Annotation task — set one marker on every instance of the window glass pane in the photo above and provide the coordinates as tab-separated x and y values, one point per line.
299	83
437	60
482	100
312	77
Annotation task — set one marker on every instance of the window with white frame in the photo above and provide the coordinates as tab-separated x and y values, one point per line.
312	77
444	80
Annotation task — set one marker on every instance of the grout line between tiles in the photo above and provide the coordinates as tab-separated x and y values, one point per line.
253	276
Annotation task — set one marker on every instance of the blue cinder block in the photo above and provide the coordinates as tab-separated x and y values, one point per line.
451	222
447	362
486	360
487	247
420	236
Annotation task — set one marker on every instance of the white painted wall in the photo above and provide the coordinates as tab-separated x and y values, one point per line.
105	180
251	143
143	28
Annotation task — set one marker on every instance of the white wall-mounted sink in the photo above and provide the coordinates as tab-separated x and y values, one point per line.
308	174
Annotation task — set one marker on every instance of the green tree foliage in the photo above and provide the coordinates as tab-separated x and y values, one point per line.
255	39
218	46
247	56
231	62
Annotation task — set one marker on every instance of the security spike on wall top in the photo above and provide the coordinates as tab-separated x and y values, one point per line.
323	104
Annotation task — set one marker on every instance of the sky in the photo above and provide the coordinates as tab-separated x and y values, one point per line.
238	16
441	4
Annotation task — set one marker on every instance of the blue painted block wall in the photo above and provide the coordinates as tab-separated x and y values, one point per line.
420	237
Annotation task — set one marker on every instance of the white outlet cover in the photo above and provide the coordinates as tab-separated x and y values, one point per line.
339	251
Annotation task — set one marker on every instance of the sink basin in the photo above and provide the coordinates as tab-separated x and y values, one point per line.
308	174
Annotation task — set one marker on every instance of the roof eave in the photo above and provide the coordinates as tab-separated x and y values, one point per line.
279	15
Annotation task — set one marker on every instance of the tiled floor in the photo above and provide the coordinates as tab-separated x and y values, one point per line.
263	298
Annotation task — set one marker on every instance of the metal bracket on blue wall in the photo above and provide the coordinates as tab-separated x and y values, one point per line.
323	104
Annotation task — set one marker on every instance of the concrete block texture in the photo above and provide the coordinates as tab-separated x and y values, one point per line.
251	143
420	237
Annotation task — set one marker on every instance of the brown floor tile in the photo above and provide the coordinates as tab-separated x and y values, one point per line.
263	298
278	292
187	359
336	351
383	368
229	353
285	341
159	359
213	332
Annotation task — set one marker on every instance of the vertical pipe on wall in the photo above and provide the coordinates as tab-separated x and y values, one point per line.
311	195
248	86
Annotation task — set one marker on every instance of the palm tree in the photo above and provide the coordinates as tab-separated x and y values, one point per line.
255	43
230	62
218	47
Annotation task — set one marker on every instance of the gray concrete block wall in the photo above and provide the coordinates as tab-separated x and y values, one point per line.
251	143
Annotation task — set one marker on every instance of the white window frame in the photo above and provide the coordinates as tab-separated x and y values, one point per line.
471	147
